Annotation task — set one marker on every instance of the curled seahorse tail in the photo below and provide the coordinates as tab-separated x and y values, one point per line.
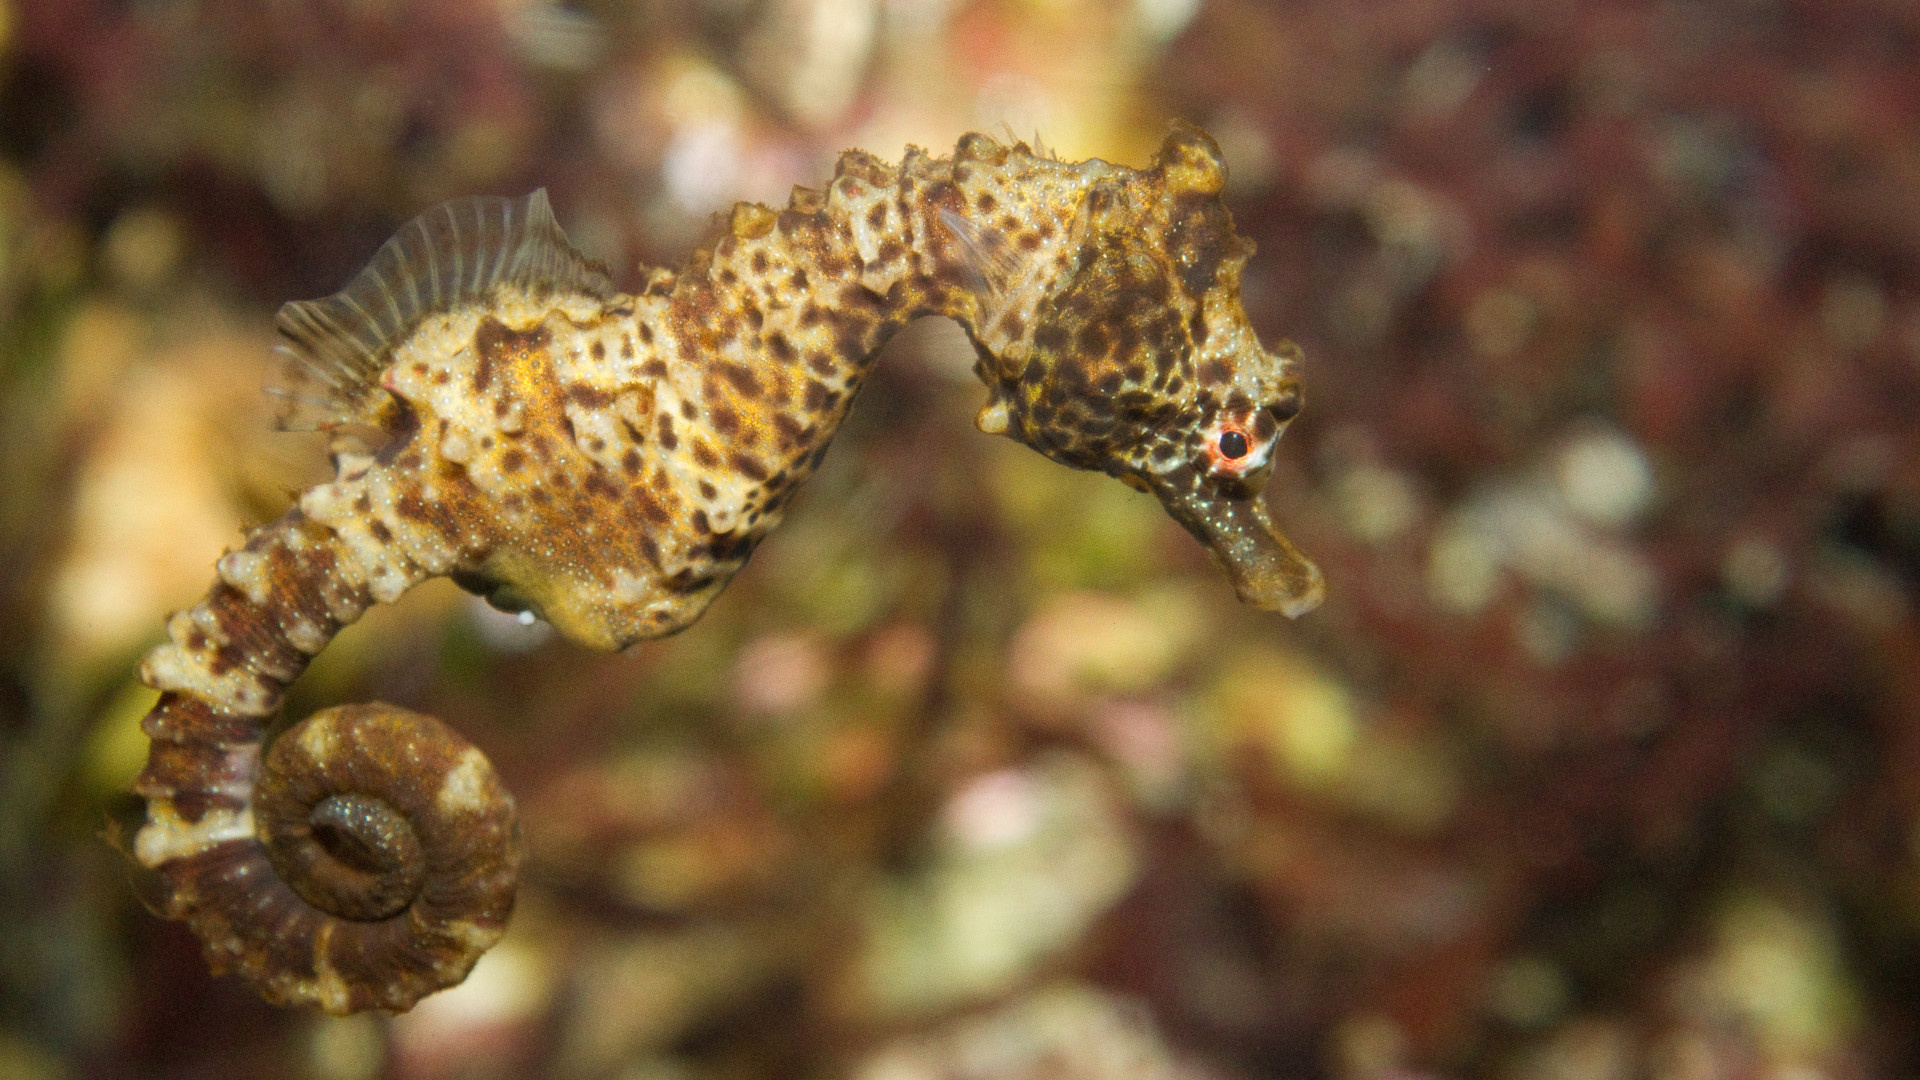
370	855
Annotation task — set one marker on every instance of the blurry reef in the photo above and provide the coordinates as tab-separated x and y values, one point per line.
1601	761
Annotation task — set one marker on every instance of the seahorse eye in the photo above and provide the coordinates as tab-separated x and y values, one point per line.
1233	445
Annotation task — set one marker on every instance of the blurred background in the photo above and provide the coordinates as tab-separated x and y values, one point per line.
1601	761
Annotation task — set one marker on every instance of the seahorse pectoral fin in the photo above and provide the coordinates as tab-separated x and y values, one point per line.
1266	569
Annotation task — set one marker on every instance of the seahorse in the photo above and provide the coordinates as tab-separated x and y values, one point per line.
502	414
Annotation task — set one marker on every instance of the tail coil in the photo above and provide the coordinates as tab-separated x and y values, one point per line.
370	857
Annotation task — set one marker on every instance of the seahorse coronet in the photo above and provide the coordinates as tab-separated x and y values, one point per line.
503	415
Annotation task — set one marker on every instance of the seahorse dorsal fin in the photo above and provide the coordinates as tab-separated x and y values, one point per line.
461	252
987	257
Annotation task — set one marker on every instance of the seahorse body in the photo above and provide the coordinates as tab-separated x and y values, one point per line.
609	461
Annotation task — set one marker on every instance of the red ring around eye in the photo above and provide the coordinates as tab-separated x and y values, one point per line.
1233	444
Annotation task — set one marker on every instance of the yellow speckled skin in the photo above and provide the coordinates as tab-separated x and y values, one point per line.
610	461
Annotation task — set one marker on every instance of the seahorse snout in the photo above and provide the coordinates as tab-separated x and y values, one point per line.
1267	571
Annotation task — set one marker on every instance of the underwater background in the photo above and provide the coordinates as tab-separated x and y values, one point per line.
1602	759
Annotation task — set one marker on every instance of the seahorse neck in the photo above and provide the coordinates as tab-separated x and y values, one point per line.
784	315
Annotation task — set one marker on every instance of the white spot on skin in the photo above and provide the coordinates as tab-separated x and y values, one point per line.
328	989
162	668
168	836
203	617
456	447
342	607
467	788
304	635
993	418
172	667
247	571
326	503
353	465
317	738
388	587
473	935
629	588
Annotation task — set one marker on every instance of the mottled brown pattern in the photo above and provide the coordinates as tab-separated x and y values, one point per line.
610	461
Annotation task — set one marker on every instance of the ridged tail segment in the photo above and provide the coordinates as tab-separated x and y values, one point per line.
370	855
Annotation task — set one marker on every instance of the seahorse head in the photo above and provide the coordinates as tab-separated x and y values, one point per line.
1141	363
